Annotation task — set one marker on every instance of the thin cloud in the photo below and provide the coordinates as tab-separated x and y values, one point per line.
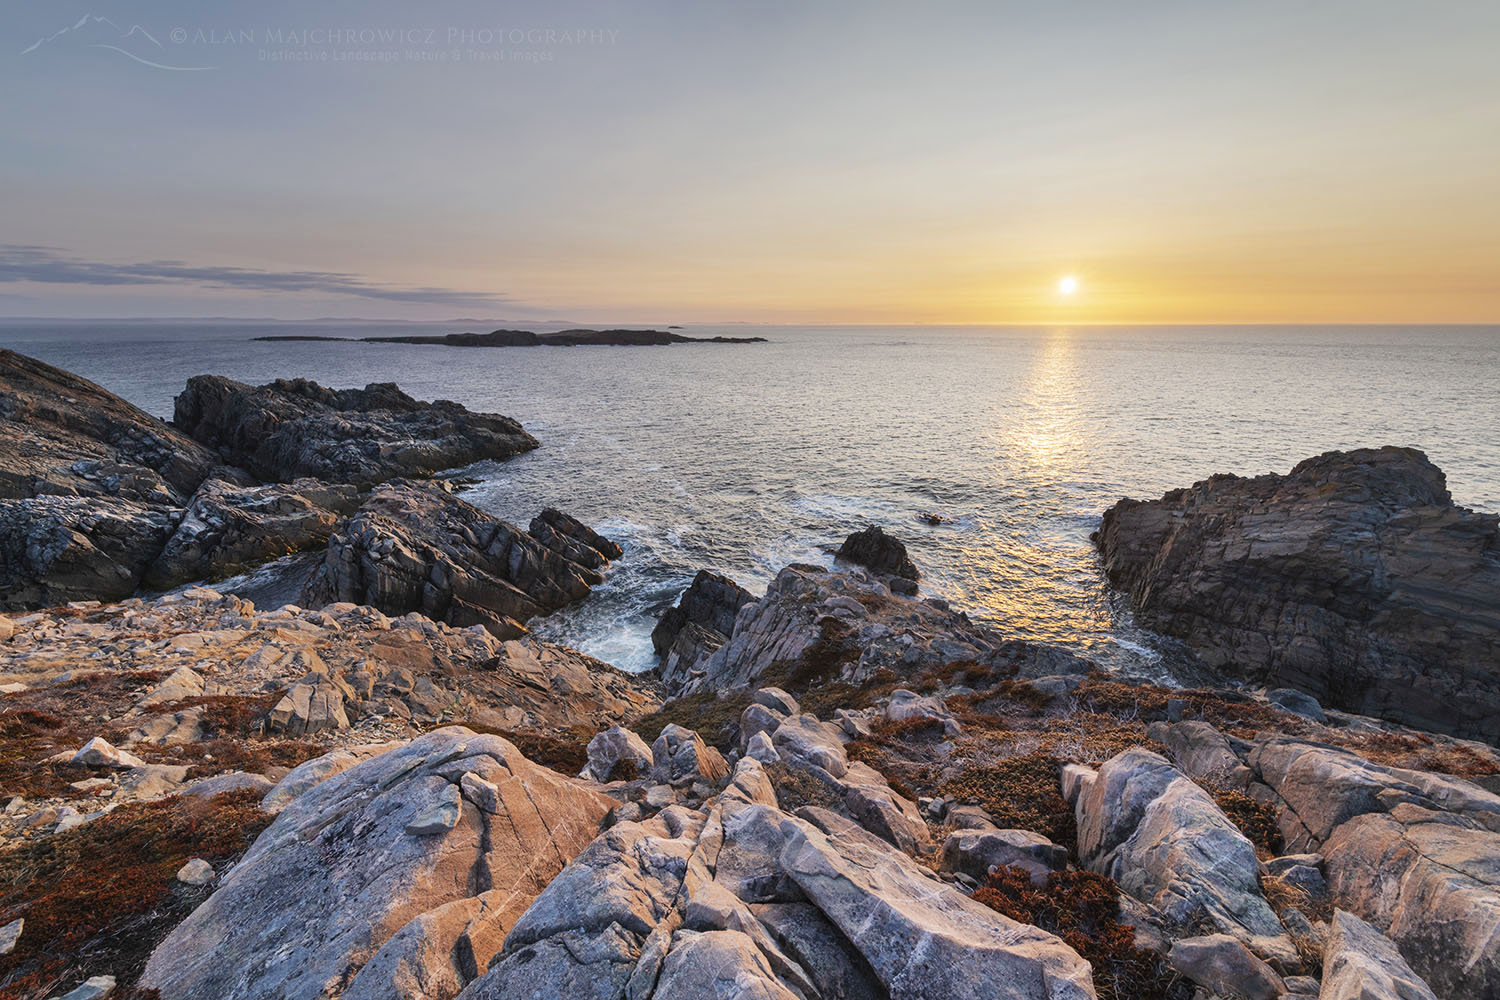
53	266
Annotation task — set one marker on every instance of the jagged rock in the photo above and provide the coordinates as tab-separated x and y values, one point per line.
314	704
760	748
67	436
230	781
1322	787
98	752
849	626
1431	882
288	429
314	772
360	878
1166	842
6	628
744	900
610	748
415	546
196	872
57	549
152	781
1360	963
874	549
226	528
803	739
701	620
10	934
910	705
1354	578
680	756
1225	966
975	852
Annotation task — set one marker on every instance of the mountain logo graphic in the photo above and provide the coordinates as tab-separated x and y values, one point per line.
136	44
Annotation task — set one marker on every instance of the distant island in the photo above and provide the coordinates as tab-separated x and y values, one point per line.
525	338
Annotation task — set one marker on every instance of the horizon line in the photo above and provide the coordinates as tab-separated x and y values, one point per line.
722	322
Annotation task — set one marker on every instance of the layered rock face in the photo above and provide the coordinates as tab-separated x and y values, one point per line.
849	625
90	487
1414	853
1354	578
409	870
416	546
701	621
226	528
66	436
293	428
738	898
98	499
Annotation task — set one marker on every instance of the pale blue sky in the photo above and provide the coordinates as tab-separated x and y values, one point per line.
761	161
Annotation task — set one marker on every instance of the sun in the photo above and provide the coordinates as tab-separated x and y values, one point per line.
1067	285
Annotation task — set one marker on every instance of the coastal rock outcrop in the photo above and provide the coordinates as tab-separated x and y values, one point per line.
742	899
701	620
57	549
410	869
1354	578
848	625
885	555
417	546
294	428
1164	840
66	436
227	528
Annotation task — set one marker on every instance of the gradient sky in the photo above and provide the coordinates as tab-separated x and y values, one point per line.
767	162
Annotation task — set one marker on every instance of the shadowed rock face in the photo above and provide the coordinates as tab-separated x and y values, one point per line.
701	621
415	546
1354	578
292	428
66	436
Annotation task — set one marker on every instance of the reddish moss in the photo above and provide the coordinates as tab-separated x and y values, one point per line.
1256	820
100	897
716	719
563	750
1083	909
1019	793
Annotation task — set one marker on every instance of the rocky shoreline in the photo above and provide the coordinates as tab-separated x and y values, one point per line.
835	789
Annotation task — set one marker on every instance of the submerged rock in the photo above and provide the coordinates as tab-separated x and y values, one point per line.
1353	578
291	428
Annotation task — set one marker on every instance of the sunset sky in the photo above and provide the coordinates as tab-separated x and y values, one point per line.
654	162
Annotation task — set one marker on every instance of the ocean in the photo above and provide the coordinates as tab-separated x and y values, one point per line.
743	458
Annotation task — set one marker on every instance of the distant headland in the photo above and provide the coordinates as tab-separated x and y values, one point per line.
526	338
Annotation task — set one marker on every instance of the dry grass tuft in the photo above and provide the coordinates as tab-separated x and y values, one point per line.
1083	909
100	897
